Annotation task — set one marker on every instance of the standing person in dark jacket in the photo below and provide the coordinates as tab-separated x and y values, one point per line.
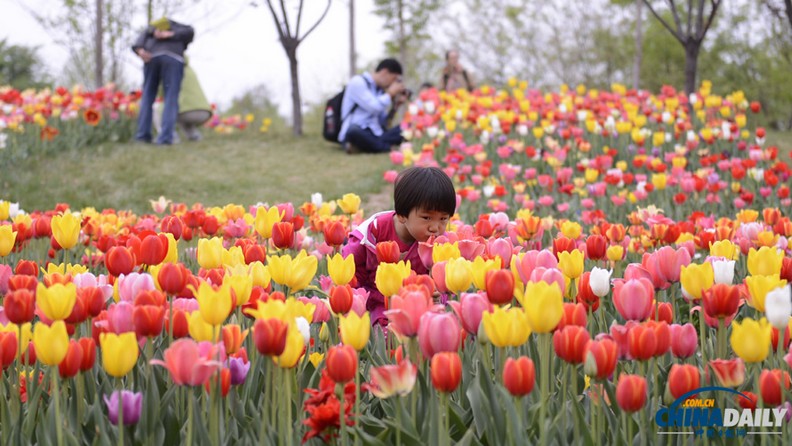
161	47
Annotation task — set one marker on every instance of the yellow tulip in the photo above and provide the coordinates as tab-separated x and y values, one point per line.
765	262
210	252
7	240
295	346
458	275
506	327
480	267
390	276
200	330
615	253
173	249
659	181
57	301
51	342
242	286
445	251
265	220
341	269
233	256
759	286
302	272
725	248
260	274
696	278
119	353
355	330
214	304
750	339
571	229
5	210
65	229
279	267
544	306
316	358
349	203
286	311
571	263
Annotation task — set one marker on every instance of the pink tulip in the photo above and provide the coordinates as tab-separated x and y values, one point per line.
186	364
425	252
321	312
684	340
131	284
438	275
670	262
637	271
529	261
549	275
119	317
503	248
621	335
407	307
359	298
633	298
470	309
470	249
438	332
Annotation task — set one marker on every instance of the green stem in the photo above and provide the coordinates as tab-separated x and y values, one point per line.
120	413
341	412
721	340
574	371
564	382
265	409
702	337
545	382
398	419
56	396
189	418
287	374
357	403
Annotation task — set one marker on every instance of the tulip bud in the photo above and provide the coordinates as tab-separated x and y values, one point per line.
684	340
682	379
269	335
119	260
570	343
770	383
388	252
778	307
642	342
631	393
446	371
500	286
341	363
599	281
600	358
729	373
70	365
131	402
88	354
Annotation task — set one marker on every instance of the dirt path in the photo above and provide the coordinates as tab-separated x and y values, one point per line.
380	201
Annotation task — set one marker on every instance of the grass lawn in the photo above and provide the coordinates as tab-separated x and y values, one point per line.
245	168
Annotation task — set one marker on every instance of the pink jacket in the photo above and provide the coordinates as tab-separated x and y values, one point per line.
363	245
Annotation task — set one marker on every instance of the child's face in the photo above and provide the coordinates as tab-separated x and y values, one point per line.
422	224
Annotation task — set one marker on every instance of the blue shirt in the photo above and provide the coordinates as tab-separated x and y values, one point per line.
372	106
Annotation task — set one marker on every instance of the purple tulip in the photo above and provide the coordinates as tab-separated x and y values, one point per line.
239	370
133	404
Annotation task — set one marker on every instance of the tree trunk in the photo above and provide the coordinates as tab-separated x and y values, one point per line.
638	44
149	12
297	127
691	62
402	37
352	52
98	44
788	8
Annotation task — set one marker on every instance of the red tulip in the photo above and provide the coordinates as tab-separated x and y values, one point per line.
570	343
88	353
684	340
194	218
93	299
255	253
642	342
70	365
283	234
26	268
663	312
181	324
585	294
8	348
334	233
562	243
682	379
446	371
729	373
233	336
662	336
153	249
172	278
341	299
596	246
173	225
519	375
631	393
574	314
341	363
210	225
770	382
388	252
600	358
20	305
750	402
18	282
500	286
148	320
150	297
78	314
119	260
269	335
225	382
721	301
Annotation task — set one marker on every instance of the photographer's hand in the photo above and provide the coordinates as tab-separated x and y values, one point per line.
395	89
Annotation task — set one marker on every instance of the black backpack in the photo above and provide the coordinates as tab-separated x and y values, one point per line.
331	126
332	117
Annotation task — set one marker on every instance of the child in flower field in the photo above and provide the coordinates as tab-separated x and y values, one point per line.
424	200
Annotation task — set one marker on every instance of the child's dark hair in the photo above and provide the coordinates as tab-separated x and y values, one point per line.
427	188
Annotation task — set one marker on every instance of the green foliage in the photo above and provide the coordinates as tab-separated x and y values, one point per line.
256	100
21	67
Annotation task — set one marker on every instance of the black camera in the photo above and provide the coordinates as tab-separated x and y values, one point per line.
407	93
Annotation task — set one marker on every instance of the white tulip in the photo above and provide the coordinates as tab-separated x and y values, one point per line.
724	271
317	199
599	281
778	307
305	329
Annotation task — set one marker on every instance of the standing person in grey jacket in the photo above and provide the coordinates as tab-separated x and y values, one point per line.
161	47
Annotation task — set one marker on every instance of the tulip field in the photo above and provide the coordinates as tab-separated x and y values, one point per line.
617	272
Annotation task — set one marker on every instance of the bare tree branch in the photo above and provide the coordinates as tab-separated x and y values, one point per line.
286	18
663	22
699	20
689	16
715	5
788	4
327	8
278	25
299	19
